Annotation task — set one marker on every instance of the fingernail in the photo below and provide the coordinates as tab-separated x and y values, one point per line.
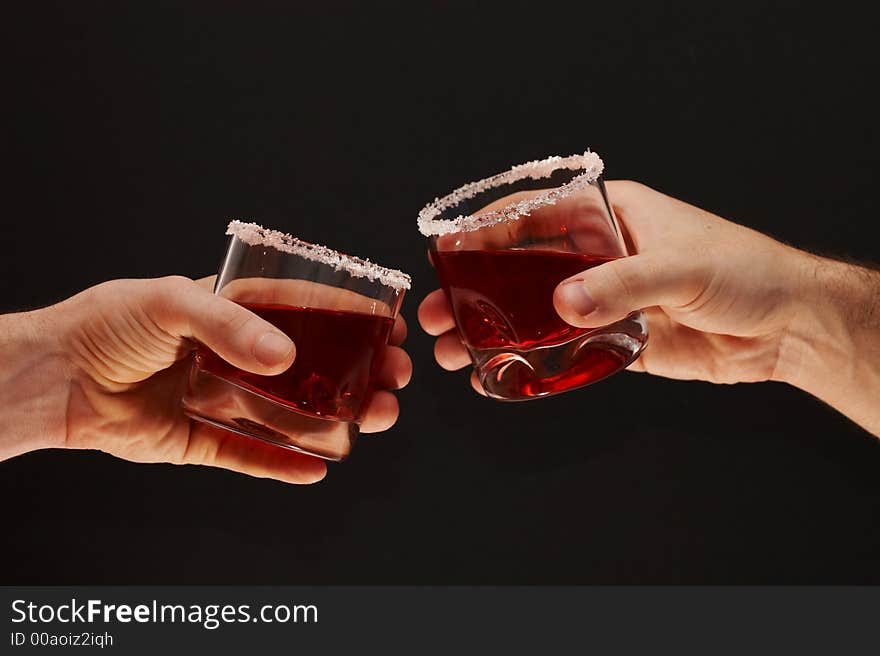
273	348
574	294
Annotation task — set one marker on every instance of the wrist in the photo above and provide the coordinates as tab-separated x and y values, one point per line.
831	347
34	383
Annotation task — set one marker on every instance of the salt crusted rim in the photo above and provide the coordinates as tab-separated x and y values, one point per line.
430	225
257	235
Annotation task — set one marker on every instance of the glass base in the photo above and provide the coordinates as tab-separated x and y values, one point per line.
508	374
223	404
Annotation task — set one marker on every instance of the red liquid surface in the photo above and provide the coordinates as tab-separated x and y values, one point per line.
503	299
332	375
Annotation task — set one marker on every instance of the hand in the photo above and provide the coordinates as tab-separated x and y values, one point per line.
715	292
719	297
121	348
724	304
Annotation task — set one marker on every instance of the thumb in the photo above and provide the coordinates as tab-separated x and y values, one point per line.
611	291
236	334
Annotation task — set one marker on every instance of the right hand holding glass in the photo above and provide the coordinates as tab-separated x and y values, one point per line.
725	304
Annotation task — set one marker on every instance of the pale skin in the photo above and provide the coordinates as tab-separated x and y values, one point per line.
106	368
724	303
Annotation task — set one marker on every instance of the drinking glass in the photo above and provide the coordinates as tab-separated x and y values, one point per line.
500	246
338	310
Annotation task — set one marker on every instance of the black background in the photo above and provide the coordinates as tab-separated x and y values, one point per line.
131	135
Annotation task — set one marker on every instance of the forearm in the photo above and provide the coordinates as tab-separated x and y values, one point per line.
34	384
832	347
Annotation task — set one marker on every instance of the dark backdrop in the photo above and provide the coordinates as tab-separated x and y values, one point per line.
132	135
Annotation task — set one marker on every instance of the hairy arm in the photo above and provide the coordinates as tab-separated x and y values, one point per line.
832	346
34	384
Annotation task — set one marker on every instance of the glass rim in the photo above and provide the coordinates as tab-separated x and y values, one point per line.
432	226
254	234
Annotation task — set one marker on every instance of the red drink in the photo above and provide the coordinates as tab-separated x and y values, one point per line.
503	306
332	375
505	298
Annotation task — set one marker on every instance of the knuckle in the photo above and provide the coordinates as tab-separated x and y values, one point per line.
174	284
169	288
163	295
232	318
106	291
119	293
627	280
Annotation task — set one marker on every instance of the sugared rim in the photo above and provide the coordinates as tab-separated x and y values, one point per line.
430	225
257	235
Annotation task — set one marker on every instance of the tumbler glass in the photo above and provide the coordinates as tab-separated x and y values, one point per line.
338	310
500	246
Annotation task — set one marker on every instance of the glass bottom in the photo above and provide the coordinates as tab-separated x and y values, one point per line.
508	374
223	404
